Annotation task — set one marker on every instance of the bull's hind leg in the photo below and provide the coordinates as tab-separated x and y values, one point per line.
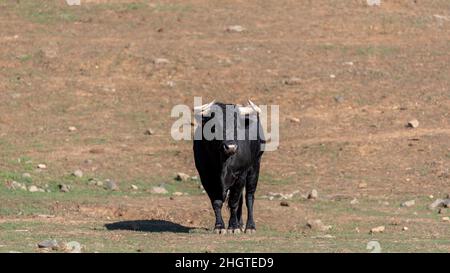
235	204
239	212
250	189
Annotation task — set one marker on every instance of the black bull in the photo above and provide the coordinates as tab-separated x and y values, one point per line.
228	164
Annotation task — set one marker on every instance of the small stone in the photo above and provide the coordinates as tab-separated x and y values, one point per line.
317	225
440	203
26	175
18	186
33	188
413	123
354	201
72	247
405	229
159	190
235	28
295	120
408	204
78	173
362	185
160	61
374	2
42	166
134	187
73	2
149	132
64	188
446	219
332	76
379	229
177	193
53	244
111	185
284	204
339	99
182	177
292	81
313	194
72	129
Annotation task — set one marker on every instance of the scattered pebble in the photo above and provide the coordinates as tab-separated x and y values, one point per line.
282	196
362	185
379	229
73	2
182	177
292	81
284	204
413	123
64	188
53	244
177	193
26	175
42	166
354	201
149	132
317	225
293	119
17	186
313	194
33	188
78	173
110	185
235	28
440	203
160	61
374	2
159	190
339	99
134	187
405	229
446	219
332	76
72	247
72	129
408	204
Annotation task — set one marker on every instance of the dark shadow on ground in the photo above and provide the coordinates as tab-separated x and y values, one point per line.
149	226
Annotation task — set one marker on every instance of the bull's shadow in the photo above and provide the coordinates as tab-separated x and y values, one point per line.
149	226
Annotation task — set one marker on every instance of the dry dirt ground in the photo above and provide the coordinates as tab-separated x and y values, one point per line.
363	72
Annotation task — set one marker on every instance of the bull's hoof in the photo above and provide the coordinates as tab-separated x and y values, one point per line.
220	231
234	230
250	231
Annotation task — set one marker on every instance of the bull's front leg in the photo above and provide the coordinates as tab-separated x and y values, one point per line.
219	226
235	204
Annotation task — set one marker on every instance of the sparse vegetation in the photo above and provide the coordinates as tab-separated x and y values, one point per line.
360	75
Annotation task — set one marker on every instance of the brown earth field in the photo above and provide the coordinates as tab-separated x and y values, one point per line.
347	77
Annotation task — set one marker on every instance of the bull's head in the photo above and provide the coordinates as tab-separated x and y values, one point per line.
227	124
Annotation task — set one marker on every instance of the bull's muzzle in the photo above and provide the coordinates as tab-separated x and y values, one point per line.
230	149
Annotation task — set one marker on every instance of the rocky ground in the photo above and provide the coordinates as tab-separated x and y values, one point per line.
87	157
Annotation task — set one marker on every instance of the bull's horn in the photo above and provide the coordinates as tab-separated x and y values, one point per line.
205	108
254	106
250	109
